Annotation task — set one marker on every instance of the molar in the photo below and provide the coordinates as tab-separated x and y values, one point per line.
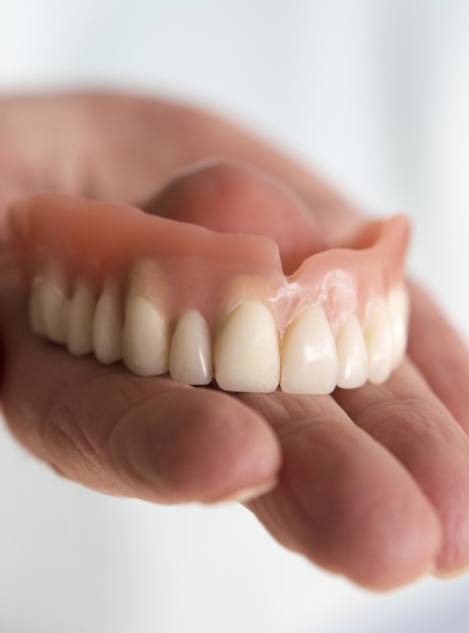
398	302
246	353
36	319
80	322
351	354
190	360
107	324
309	357
49	310
379	343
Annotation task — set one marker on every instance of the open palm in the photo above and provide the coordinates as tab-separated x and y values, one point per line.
373	483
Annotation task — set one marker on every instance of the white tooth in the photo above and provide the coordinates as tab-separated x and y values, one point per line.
190	360
379	344
107	324
145	338
80	322
36	320
52	308
398	318
399	297
246	354
352	356
309	357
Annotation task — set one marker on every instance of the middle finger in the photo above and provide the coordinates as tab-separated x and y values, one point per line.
408	419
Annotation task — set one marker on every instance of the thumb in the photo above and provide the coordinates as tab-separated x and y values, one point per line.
234	197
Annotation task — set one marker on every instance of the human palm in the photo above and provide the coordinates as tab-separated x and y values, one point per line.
372	483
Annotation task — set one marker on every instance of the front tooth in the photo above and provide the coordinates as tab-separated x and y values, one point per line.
107	324
36	319
309	357
399	322
190	360
246	354
351	354
379	344
80	324
145	338
52	308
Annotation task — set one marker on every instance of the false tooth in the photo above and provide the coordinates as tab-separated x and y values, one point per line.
52	306
107	324
399	318
190	360
379	344
145	338
309	357
246	354
351	354
80	323
36	320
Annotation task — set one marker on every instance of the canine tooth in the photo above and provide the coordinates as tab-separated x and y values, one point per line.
351	354
107	324
398	318
80	322
379	344
309	357
36	320
145	338
190	360
52	308
246	354
145	279
399	297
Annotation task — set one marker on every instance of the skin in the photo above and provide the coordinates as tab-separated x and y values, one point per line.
371	483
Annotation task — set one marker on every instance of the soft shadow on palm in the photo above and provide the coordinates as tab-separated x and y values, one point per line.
373	483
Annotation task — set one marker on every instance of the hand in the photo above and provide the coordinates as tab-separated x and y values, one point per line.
372	483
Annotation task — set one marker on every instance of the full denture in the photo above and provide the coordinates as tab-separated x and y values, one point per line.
166	295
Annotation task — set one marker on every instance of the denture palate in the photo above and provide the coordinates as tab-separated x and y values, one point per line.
168	296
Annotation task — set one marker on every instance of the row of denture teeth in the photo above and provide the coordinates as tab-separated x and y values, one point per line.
246	353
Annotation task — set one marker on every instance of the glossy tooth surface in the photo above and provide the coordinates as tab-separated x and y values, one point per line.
36	320
80	320
246	354
379	344
351	354
52	309
190	360
399	322
107	324
309	357
145	338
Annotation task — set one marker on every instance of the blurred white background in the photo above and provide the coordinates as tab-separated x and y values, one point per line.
374	93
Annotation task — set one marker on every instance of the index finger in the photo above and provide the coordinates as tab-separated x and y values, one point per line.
117	433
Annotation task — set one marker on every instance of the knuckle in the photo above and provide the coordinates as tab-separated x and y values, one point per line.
405	417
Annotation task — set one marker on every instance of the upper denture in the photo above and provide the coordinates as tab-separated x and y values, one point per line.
144	272
99	240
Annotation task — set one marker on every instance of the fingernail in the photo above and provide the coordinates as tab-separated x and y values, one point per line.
247	494
452	574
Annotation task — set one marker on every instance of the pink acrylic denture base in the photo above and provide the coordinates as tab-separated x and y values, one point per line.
203	269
